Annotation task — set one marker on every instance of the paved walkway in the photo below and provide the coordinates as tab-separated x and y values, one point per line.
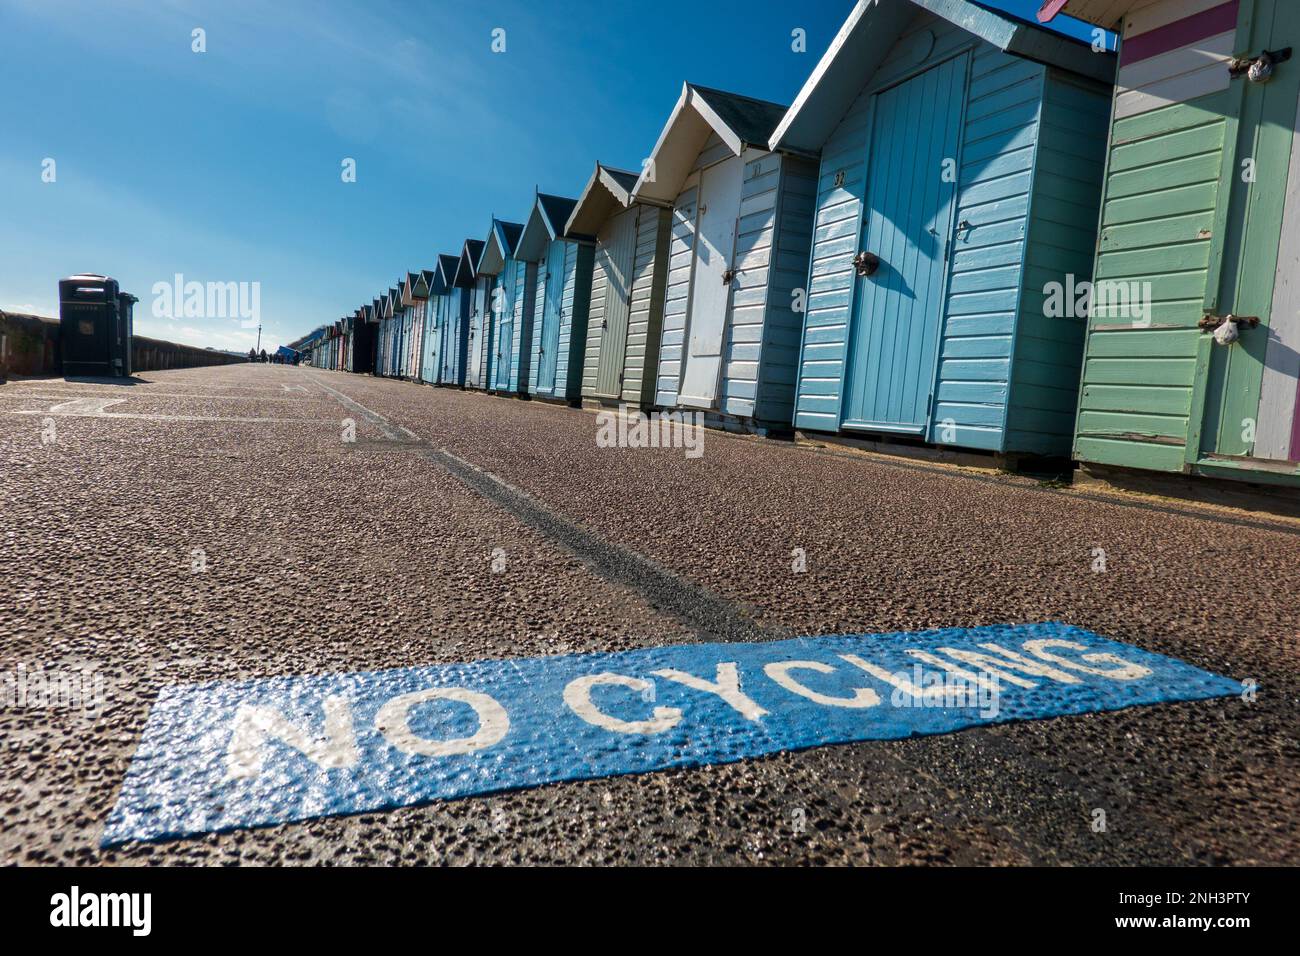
258	521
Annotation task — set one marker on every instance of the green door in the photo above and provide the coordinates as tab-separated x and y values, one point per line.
616	255
1244	260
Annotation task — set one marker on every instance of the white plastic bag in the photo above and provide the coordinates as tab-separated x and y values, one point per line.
1226	333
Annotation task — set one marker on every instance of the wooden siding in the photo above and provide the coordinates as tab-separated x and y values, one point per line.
646	306
773	235
1172	54
524	277
1064	208
574	275
540	293
1158	220
787	246
1279	403
610	300
677	292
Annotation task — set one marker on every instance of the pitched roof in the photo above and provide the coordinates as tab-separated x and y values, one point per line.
607	191
466	268
701	113
502	239
752	120
444	274
546	222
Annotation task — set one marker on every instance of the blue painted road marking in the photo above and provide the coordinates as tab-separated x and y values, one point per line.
231	754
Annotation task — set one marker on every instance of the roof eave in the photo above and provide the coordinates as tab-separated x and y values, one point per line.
660	181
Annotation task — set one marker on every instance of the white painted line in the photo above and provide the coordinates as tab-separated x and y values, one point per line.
388	428
84	412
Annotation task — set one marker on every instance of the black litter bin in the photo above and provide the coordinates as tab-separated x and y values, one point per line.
95	319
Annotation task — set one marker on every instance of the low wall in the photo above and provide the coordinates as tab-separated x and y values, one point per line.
29	345
151	355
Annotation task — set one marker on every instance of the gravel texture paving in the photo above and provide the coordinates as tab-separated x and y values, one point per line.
320	554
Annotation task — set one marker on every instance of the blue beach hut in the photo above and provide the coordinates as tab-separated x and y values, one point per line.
562	298
509	300
961	161
452	329
474	313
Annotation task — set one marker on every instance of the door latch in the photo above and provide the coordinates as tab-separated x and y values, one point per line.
727	276
963	227
1212	321
1258	69
866	263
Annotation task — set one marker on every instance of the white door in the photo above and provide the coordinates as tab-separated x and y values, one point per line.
715	243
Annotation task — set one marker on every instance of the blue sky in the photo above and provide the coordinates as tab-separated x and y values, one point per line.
224	166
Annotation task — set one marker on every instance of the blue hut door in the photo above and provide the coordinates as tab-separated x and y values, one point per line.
552	288
907	223
715	246
504	311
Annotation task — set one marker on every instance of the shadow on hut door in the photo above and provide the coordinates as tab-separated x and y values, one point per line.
552	291
907	224
1245	398
716	218
617	257
503	318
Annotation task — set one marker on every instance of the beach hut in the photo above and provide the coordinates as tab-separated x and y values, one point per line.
389	327
453	330
742	228
381	331
475	313
561	298
430	346
1200	223
510	300
363	351
400	330
962	155
629	272
415	296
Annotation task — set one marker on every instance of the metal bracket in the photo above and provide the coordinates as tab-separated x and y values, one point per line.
1211	321
727	276
1258	69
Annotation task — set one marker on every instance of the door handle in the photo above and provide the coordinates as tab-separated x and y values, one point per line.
866	263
